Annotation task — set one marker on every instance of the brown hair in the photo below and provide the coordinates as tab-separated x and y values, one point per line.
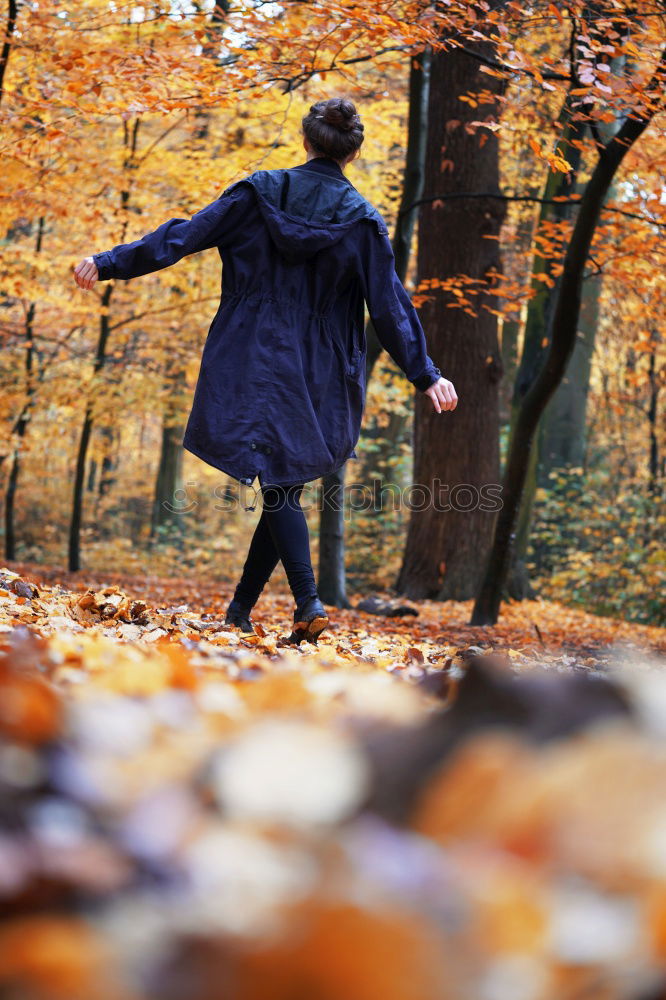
333	128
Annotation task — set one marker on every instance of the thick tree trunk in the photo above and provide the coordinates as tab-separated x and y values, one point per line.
332	523
562	339
456	455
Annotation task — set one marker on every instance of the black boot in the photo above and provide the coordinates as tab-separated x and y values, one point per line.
239	616
310	620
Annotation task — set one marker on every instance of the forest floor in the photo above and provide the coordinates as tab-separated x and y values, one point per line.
411	809
530	632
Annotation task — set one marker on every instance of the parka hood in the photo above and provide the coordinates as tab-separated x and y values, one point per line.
310	207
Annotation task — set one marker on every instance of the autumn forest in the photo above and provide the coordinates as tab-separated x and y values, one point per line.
496	575
481	150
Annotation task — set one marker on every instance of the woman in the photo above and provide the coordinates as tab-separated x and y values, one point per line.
281	387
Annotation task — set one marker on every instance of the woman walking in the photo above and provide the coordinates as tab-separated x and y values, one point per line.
281	387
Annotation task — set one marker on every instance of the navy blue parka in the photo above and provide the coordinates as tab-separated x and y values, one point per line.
281	386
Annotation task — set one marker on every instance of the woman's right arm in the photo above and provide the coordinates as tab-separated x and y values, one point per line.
173	240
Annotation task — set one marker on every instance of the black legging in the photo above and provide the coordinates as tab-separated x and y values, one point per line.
281	534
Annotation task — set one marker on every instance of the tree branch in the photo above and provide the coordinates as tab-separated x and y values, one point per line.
452	196
510	69
292	82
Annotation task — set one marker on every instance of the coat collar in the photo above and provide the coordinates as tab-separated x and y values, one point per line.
324	165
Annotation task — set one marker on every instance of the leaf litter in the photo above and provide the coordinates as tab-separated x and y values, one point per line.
411	809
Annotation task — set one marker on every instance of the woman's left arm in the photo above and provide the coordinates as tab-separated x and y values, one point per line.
396	322
173	240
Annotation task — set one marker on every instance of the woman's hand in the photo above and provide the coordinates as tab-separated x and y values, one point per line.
86	273
443	395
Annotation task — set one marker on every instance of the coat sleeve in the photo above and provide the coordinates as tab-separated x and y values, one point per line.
393	316
177	238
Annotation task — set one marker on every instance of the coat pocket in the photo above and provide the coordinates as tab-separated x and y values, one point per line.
355	364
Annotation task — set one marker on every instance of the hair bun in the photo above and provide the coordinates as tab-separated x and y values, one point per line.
333	128
341	114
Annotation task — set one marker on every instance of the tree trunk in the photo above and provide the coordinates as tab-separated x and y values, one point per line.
331	583
23	419
456	455
92	476
109	464
413	181
509	340
562	425
562	339
169	481
332	523
563	440
10	27
653	384
511	326
131	134
74	562
535	340
20	428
